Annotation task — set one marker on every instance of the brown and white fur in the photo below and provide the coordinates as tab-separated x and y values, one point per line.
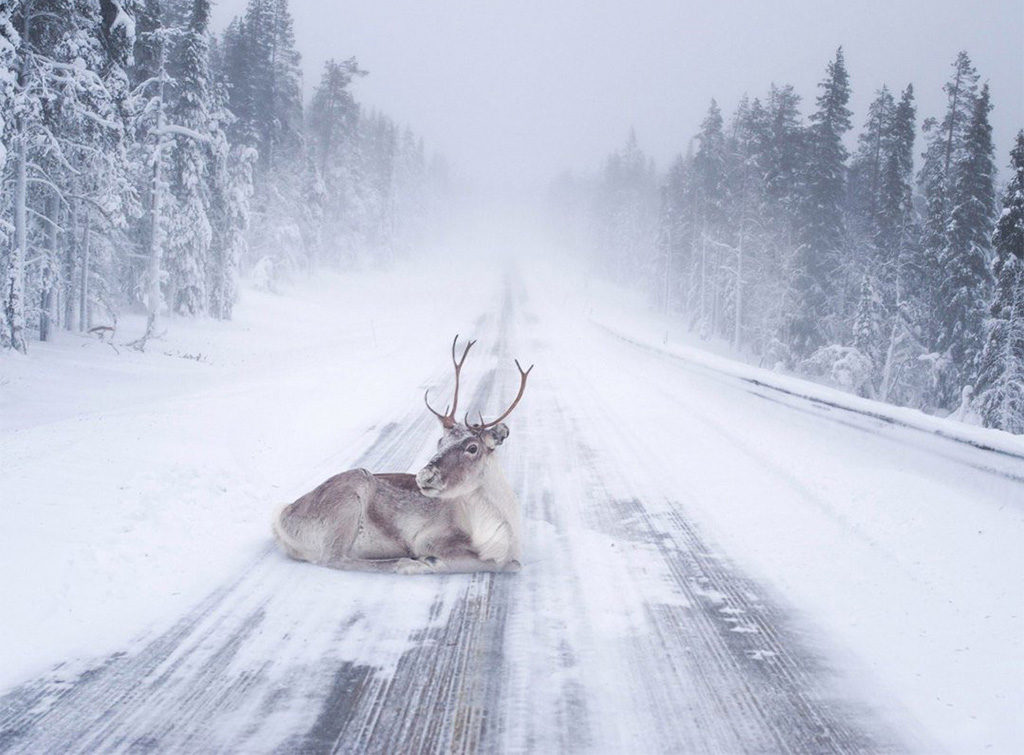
457	514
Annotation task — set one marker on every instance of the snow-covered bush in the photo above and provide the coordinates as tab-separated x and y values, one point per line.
261	277
842	366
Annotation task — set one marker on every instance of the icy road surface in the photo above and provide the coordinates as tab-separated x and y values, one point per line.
630	628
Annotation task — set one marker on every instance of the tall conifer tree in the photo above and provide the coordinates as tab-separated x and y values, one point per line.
823	234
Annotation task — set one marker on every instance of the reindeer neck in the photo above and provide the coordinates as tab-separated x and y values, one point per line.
491	515
494	493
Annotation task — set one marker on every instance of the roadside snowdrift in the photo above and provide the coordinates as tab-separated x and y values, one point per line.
132	483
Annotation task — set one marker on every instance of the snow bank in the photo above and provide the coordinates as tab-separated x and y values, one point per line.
651	333
133	483
894	536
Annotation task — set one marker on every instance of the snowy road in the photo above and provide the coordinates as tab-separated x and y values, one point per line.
629	629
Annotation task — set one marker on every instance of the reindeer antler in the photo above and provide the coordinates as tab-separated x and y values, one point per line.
448	418
522	387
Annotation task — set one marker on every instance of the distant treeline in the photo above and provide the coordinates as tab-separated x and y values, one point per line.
144	160
769	234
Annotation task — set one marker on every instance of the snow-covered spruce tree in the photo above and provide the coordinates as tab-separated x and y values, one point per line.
314	205
23	117
8	74
9	43
894	220
190	231
379	140
935	179
868	323
709	177
884	237
675	237
822	237
230	190
101	193
1000	394
334	146
901	271
333	112
867	174
69	171
266	81
749	227
230	178
626	206
410	202
781	145
783	150
110	165
262	67
966	281
152	156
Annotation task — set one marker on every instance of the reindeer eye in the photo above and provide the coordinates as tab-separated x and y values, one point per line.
472	448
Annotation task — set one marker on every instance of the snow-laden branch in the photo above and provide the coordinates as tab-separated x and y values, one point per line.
112	125
182	131
50	184
46	219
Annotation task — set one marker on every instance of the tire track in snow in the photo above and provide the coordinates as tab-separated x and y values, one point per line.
191	688
881	425
703	646
625	632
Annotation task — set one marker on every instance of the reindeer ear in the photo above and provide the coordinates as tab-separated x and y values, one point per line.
495	436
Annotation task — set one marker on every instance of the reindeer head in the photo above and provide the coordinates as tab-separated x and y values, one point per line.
464	450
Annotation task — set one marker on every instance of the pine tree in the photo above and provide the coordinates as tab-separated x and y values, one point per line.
69	176
709	178
627	203
1001	375
783	153
675	233
966	280
867	166
152	158
945	140
266	68
10	41
336	164
894	216
823	233
868	326
187	254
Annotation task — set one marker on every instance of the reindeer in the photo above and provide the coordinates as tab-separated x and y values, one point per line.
457	514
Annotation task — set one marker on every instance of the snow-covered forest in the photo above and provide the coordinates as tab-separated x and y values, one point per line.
147	160
895	272
732	452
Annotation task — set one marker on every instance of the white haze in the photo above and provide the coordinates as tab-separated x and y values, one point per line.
513	93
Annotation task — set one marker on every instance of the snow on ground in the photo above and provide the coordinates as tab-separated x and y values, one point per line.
903	546
130	483
133	484
622	313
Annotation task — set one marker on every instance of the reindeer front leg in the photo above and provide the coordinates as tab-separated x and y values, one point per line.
378	565
454	557
461	565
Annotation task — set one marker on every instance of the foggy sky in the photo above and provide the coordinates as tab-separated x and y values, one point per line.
514	92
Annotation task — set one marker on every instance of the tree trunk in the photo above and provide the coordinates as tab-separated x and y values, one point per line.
703	282
83	302
154	300
739	295
49	269
14	286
